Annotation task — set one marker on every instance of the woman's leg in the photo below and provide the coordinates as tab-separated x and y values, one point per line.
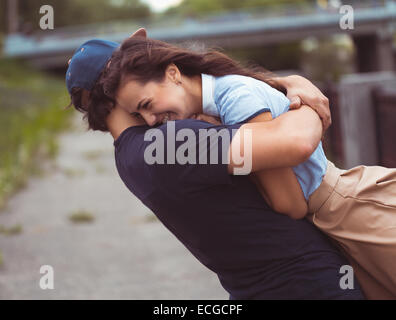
360	214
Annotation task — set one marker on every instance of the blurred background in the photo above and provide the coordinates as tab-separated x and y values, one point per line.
61	201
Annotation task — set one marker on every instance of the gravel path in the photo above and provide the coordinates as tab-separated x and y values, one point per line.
124	253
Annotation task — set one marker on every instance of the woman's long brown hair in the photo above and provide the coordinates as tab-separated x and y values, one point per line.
145	59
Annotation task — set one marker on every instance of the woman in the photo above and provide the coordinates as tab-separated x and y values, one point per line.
159	82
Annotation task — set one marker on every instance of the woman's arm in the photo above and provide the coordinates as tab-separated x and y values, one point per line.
279	186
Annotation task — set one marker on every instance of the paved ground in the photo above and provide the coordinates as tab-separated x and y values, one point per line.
125	253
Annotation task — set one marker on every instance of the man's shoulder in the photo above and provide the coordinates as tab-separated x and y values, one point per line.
133	141
195	126
192	149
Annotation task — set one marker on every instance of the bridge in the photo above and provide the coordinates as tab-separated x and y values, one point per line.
374	27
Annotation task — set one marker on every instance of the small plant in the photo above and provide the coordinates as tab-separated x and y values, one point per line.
16	229
100	168
93	154
73	173
81	216
151	218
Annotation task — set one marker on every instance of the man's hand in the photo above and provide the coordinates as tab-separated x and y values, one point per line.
301	91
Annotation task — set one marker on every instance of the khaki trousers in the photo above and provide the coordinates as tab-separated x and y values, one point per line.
357	209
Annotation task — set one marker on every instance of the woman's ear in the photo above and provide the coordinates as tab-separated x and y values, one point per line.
139	33
173	73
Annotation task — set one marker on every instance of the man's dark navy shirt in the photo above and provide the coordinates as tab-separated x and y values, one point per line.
225	223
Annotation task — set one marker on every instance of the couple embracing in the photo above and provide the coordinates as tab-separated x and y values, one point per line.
282	230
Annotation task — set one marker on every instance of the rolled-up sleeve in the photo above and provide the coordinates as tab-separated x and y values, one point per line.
240	99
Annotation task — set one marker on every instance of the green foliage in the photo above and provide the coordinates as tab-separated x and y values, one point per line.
328	60
32	113
75	12
3	12
197	7
276	57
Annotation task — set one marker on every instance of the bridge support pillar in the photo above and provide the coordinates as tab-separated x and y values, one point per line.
374	52
357	120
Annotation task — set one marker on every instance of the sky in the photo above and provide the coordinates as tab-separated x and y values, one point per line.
161	5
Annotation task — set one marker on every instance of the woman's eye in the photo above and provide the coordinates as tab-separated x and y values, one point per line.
146	105
135	114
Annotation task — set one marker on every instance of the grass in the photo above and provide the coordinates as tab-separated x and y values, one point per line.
100	168
93	154
16	229
147	218
32	114
73	172
81	216
151	218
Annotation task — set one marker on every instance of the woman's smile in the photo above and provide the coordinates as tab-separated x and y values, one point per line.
166	117
174	98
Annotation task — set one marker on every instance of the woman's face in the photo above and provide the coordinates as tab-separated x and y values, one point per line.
156	102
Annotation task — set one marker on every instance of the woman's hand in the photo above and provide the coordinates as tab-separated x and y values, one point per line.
301	91
204	117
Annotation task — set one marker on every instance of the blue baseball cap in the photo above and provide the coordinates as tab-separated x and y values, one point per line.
87	63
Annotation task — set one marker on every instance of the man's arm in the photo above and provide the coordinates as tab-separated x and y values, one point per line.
301	91
283	142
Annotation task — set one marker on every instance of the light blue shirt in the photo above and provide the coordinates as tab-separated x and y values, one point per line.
236	99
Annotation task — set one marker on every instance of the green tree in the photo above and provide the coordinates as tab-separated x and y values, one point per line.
76	12
3	13
196	7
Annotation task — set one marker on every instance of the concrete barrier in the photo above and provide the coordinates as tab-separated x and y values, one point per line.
358	116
